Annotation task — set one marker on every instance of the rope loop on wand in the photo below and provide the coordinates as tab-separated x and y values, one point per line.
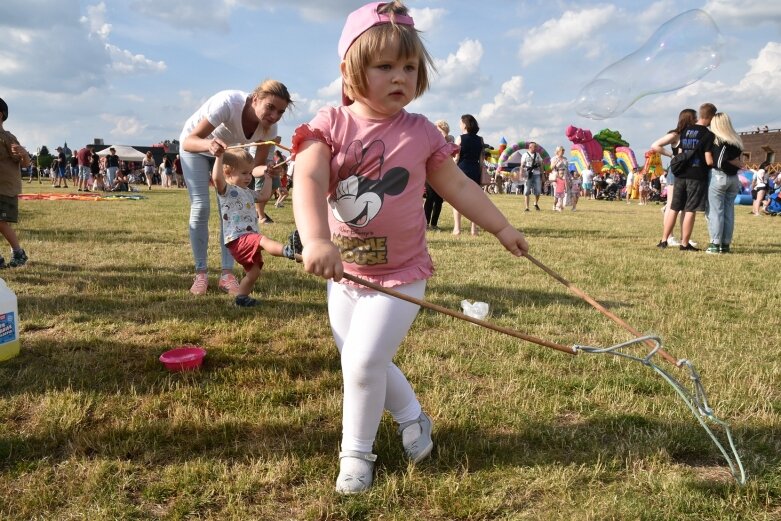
696	400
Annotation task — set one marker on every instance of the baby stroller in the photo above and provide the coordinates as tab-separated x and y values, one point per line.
656	195
611	192
136	177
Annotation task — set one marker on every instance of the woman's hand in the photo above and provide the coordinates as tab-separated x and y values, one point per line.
217	147
513	240
322	258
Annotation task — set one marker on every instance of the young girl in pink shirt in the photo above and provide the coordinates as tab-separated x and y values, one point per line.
560	192
360	170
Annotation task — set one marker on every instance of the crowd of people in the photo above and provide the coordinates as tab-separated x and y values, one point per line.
90	172
361	171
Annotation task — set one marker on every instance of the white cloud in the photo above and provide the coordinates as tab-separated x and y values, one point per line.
427	18
124	126
510	99
124	61
649	20
213	15
459	70
745	13
95	20
41	59
762	83
574	30
332	90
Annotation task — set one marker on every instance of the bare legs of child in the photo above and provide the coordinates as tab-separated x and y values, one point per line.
251	276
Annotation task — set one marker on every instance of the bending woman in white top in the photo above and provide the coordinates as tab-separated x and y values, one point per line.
230	117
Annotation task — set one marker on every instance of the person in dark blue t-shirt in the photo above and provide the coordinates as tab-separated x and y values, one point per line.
691	186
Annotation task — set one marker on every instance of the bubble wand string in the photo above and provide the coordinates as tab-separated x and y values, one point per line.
696	400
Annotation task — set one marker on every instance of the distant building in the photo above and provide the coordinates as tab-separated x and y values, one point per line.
760	146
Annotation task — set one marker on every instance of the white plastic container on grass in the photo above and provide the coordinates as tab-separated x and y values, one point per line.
477	310
9	323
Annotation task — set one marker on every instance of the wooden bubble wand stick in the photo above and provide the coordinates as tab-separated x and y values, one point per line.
260	143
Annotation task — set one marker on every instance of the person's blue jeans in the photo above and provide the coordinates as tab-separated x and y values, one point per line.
111	174
722	190
197	172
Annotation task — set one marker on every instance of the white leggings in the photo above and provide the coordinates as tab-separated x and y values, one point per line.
368	328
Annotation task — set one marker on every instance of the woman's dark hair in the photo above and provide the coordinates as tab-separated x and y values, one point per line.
470	124
686	118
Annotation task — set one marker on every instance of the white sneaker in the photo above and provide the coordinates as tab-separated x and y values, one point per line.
416	437
356	471
672	241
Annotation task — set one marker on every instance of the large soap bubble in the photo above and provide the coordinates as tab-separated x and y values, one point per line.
680	52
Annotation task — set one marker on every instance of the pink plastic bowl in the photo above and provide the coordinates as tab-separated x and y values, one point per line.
185	358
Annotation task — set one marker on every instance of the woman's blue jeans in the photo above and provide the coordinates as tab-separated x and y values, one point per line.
722	190
197	172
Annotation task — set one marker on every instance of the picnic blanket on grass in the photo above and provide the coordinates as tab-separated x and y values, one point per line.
79	197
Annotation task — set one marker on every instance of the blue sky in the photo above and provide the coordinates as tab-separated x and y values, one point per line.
132	71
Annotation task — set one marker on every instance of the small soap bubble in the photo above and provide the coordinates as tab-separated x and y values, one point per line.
680	52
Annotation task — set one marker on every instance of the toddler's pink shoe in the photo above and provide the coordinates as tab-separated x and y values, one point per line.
229	284
200	284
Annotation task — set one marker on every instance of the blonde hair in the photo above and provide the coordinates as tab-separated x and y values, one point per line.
371	43
559	149
443	127
237	158
722	128
272	88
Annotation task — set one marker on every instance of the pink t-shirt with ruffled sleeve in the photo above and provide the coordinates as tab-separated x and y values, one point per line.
378	173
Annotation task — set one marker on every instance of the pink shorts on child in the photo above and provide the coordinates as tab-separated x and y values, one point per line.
246	250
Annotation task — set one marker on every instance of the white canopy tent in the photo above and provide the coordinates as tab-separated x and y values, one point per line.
125	153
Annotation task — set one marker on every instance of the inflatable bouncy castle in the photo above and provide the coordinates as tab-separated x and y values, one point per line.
653	164
605	150
586	151
512	154
615	151
744	196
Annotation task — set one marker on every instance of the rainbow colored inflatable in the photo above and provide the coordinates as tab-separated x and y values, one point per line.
512	154
586	151
625	159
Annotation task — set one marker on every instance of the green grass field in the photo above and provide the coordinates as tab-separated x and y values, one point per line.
93	427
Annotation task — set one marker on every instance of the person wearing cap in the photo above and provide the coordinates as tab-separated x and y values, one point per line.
230	117
360	172
13	157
